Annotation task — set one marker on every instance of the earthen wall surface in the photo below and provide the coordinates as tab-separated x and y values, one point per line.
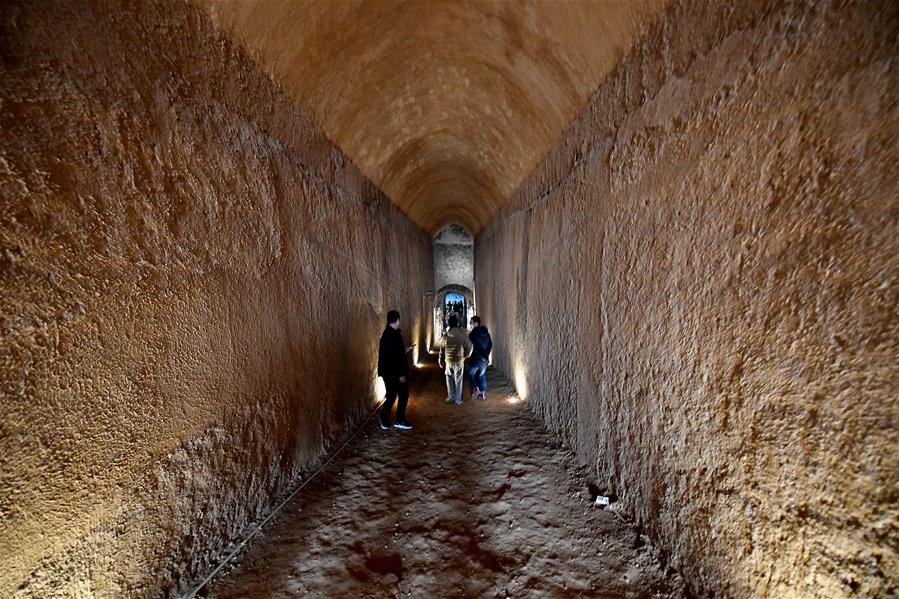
697	289
449	105
193	285
453	258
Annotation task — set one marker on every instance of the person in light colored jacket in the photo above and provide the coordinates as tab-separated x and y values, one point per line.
455	349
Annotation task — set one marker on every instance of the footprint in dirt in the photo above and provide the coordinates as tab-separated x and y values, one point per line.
500	491
364	564
386	563
517	472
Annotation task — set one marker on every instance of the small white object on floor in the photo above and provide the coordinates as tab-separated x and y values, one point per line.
601	501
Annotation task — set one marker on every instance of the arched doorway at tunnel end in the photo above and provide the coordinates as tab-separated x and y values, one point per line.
453	279
451	300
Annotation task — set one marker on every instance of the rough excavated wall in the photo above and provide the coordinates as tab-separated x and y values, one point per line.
698	289
193	285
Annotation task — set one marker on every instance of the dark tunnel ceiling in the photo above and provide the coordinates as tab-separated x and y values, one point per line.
447	106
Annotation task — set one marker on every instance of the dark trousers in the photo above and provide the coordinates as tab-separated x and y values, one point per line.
394	387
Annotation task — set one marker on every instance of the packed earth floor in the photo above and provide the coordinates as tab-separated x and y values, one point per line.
479	500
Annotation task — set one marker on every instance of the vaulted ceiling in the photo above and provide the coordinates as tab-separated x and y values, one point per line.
446	106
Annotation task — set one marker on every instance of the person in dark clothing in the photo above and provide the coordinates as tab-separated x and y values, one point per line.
480	357
394	369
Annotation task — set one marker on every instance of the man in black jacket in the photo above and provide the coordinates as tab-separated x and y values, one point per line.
394	369
480	357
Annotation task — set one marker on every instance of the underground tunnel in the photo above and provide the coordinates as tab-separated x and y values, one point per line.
678	220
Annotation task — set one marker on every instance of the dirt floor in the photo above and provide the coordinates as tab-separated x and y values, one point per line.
479	500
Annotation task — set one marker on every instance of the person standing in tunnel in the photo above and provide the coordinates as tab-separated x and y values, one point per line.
480	358
393	367
455	349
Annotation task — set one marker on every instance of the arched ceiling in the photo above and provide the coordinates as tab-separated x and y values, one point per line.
446	106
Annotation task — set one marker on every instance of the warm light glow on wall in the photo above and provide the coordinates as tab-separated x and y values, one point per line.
416	339
380	390
521	384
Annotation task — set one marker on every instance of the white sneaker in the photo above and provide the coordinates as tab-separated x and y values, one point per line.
475	393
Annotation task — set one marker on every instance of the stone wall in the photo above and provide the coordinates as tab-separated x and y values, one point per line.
697	288
453	258
193	285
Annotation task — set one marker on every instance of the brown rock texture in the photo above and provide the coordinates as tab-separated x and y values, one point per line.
479	500
446	105
193	285
697	289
